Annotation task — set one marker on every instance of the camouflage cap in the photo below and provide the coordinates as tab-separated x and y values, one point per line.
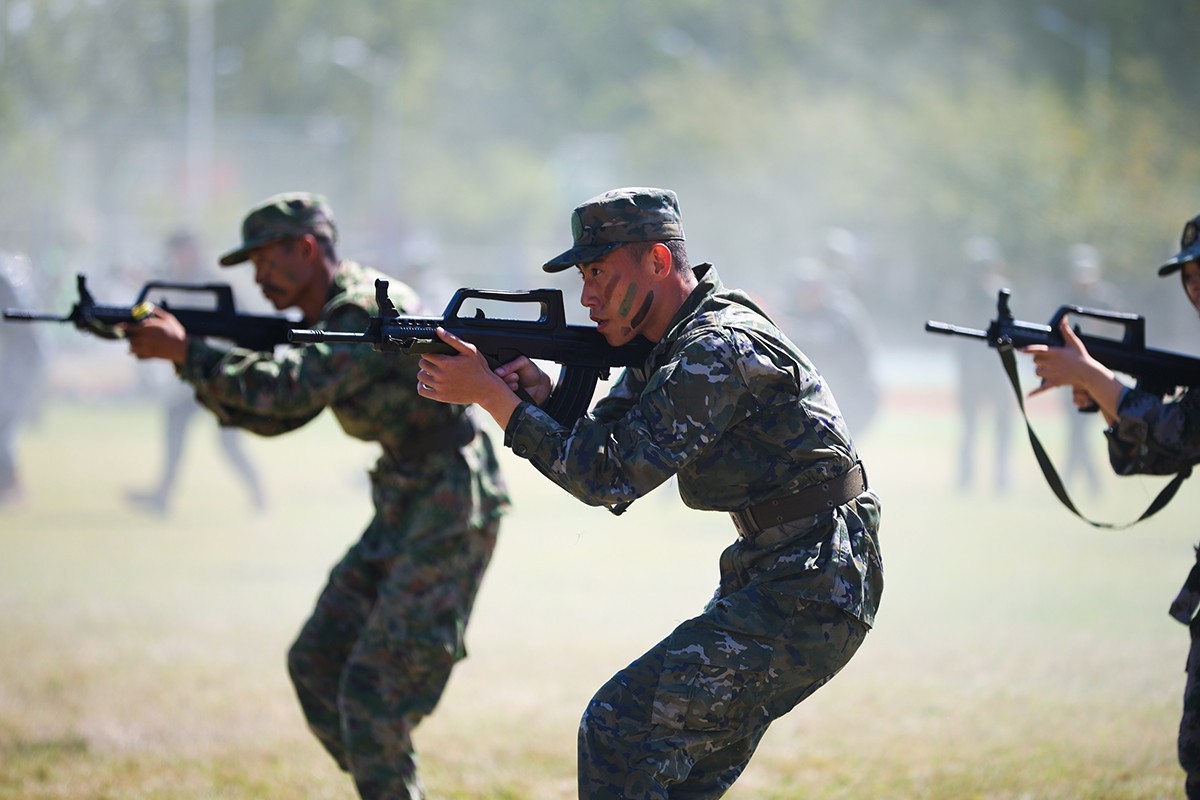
1189	248
283	216
618	217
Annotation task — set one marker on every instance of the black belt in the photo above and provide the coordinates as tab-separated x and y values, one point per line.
419	444
804	503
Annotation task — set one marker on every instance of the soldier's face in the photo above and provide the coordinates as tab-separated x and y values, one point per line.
281	272
1190	275
618	293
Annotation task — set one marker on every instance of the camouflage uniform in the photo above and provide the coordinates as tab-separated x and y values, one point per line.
1155	437
732	408
375	655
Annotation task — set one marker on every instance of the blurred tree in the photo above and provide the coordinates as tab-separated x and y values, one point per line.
911	123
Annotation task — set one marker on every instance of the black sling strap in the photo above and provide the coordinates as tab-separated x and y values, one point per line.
1005	349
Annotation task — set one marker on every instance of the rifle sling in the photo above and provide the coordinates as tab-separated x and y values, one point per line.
1005	349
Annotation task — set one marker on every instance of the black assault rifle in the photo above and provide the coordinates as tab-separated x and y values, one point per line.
1157	371
1160	372
222	321
583	353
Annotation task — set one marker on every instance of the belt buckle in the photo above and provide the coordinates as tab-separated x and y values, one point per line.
744	522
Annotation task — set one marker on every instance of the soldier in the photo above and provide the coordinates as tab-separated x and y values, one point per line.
1149	435
375	655
729	405
23	367
982	389
180	406
838	336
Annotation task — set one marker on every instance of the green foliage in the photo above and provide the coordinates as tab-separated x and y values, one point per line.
915	122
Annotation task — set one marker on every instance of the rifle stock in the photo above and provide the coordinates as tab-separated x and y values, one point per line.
582	352
222	321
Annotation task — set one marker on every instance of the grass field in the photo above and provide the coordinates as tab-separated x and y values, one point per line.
1018	652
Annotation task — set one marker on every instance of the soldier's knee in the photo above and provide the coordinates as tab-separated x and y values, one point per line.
587	721
1192	786
1189	757
297	664
601	712
596	729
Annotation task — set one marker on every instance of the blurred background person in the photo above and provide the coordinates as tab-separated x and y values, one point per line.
23	364
1087	288
184	263
421	267
831	327
840	254
981	383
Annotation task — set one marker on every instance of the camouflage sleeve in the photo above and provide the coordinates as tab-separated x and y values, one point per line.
684	408
273	394
622	397
1152	436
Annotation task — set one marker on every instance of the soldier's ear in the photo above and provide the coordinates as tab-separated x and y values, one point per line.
661	259
309	247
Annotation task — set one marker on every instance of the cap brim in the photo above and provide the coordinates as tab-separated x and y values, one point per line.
243	253
584	254
1176	263
234	257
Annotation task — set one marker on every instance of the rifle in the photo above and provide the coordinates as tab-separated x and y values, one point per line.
1157	371
245	330
583	353
1160	372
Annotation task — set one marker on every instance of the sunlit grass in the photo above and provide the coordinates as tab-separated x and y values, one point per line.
1018	652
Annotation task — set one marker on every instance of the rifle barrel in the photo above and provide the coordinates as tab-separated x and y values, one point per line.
954	330
312	335
31	316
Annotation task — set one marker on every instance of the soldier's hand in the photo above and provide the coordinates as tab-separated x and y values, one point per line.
521	373
1082	399
159	335
463	378
1068	365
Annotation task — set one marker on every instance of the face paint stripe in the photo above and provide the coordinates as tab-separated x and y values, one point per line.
627	301
643	311
609	288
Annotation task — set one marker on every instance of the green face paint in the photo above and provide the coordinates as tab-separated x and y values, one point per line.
627	301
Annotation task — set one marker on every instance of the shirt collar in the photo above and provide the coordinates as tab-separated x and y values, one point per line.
708	284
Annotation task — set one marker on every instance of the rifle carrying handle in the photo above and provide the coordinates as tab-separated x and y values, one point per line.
223	292
1134	325
552	314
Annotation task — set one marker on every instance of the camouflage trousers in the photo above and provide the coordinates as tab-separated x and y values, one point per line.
374	657
683	720
1189	724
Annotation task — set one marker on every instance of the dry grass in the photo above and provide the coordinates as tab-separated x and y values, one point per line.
1018	653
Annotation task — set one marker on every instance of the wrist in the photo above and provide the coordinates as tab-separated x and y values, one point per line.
500	402
178	351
